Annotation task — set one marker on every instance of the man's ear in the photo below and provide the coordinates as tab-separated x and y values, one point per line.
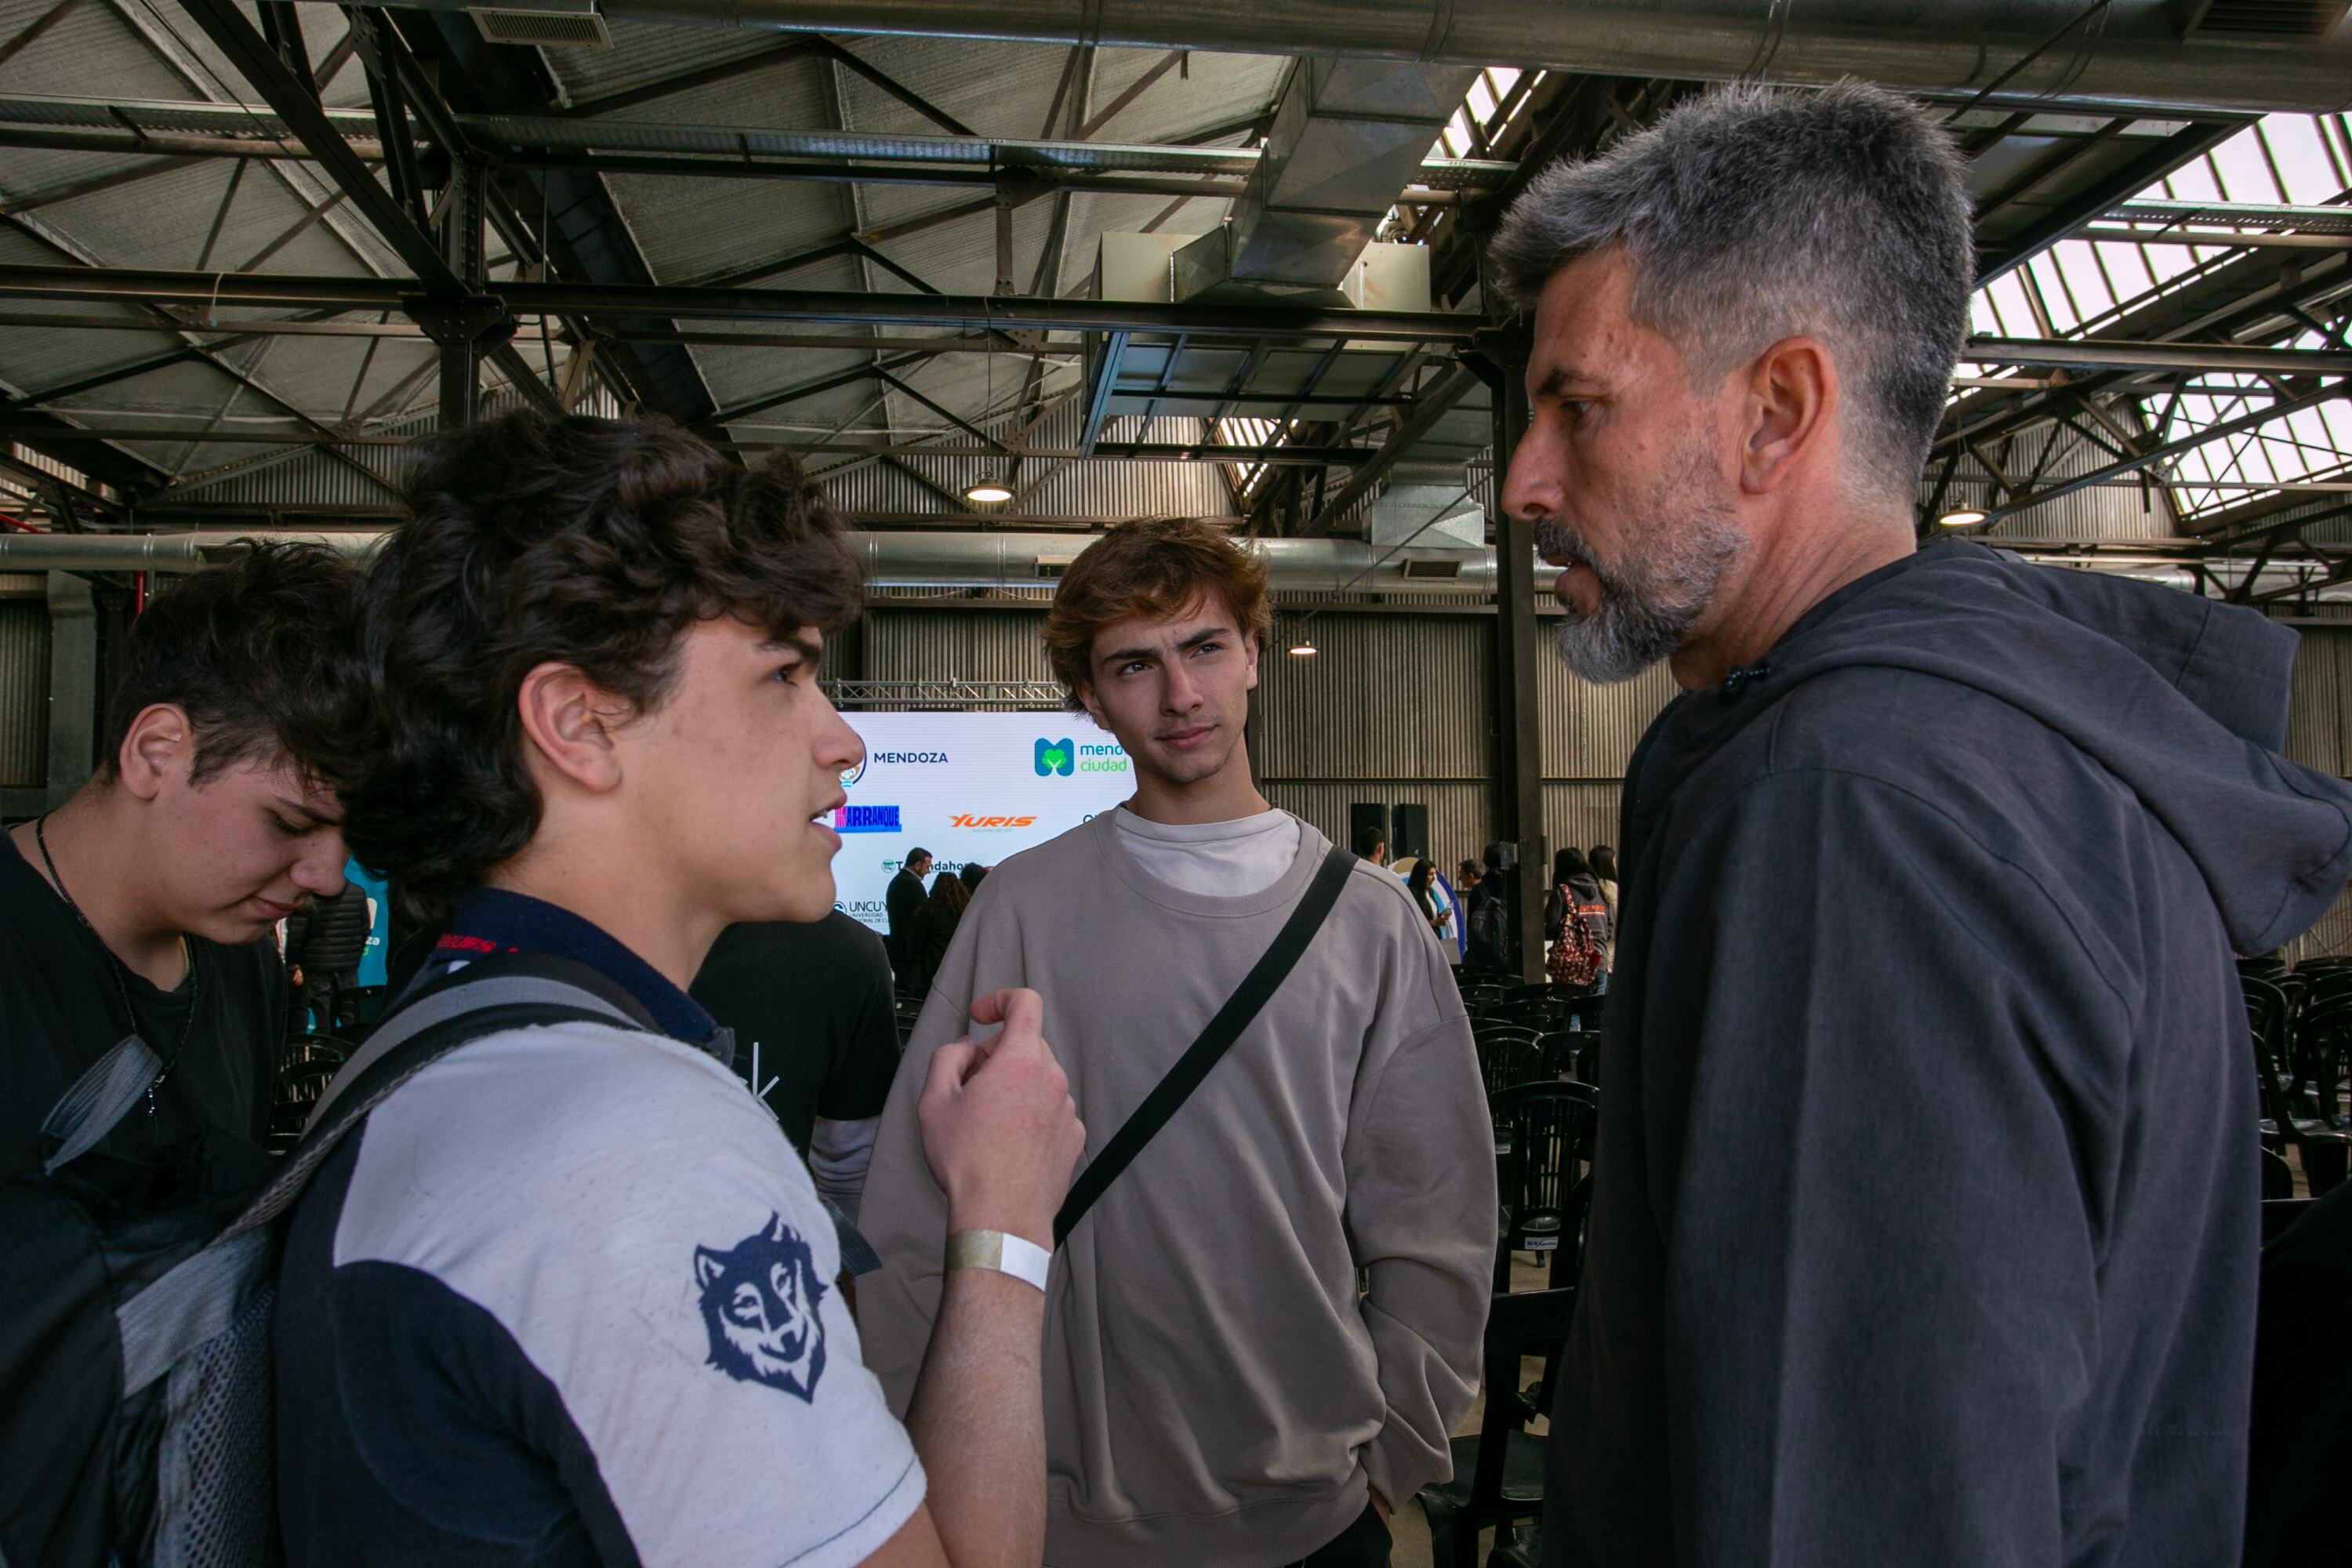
1792	403
571	724
1252	645
1086	695
160	745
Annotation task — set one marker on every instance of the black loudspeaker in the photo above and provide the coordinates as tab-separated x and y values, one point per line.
1363	815
1408	831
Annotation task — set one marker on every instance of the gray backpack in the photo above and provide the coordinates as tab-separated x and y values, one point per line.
135	1363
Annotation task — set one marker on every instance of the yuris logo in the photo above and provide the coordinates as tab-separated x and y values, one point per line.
1056	757
969	820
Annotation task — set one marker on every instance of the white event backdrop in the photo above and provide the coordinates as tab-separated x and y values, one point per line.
967	787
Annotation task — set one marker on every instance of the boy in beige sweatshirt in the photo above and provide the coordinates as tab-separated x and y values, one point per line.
1220	1389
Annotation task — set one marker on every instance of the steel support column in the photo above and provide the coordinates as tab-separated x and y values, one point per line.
73	686
1518	720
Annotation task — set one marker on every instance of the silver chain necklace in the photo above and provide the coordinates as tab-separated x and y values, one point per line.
117	967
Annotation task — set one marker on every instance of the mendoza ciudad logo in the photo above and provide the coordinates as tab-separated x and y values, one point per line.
1060	757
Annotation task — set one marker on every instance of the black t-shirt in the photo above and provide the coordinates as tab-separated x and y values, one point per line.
816	1001
61	1009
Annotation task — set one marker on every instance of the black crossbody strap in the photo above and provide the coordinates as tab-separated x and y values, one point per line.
1194	1066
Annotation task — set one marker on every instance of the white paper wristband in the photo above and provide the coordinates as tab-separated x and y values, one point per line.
1005	1254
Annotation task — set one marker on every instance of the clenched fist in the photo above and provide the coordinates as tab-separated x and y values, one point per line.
999	1128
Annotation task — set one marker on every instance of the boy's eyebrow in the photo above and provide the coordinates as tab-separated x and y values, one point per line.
809	652
316	817
1195	640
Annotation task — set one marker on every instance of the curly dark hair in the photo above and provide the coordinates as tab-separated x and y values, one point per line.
259	654
531	539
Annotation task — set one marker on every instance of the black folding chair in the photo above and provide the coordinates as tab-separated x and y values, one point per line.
1544	1138
1508	1055
1499	1474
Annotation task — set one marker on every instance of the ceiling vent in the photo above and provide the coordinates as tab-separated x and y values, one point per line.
1423	569
550	24
2284	20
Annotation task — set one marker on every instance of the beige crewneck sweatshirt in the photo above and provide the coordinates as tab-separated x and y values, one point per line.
1218	1394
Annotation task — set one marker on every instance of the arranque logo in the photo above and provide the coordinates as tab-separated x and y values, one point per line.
865	819
1056	757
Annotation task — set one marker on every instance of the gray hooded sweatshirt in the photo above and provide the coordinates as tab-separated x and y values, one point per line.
1925	1208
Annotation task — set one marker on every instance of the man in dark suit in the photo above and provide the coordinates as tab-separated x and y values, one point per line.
905	897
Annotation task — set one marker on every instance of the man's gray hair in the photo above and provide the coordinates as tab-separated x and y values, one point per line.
1755	214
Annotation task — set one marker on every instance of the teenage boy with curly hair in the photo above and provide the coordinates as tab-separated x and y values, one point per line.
1218	1390
569	1296
144	904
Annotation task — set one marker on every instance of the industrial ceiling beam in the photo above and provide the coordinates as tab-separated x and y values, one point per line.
1434	405
2141	460
579	233
204	291
264	69
2110	354
521	137
2138	51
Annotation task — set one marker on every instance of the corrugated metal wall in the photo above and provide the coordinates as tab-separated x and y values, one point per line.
23	690
965	645
1394	710
2319	736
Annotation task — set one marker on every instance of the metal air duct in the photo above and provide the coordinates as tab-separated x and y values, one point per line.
2152	52
967	559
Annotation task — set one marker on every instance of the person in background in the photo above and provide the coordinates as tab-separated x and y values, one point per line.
1419	884
1268	1326
901	899
1465	877
145	903
971	874
1372	845
933	929
568	1296
1574	887
817	1036
325	941
1925	1206
1487	915
1603	862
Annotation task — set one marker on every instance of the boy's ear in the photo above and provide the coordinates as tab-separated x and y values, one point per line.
159	744
570	722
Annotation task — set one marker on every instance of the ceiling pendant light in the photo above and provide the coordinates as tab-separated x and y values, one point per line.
989	493
1302	647
1966	517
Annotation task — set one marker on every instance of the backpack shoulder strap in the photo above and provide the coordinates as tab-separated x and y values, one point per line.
98	1099
512	991
1170	1094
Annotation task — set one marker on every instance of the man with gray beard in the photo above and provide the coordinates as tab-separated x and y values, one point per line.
1924	1222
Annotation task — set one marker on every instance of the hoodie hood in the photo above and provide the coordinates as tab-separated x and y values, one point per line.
2182	697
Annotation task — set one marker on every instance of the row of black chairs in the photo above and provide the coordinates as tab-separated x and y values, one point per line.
2301	1025
1545	1129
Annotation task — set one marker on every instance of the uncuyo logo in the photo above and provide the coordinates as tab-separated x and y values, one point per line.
849	776
1056	757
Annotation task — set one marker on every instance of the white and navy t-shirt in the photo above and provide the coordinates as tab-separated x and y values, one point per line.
568	1297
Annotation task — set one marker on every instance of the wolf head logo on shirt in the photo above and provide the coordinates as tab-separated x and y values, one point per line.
760	1303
